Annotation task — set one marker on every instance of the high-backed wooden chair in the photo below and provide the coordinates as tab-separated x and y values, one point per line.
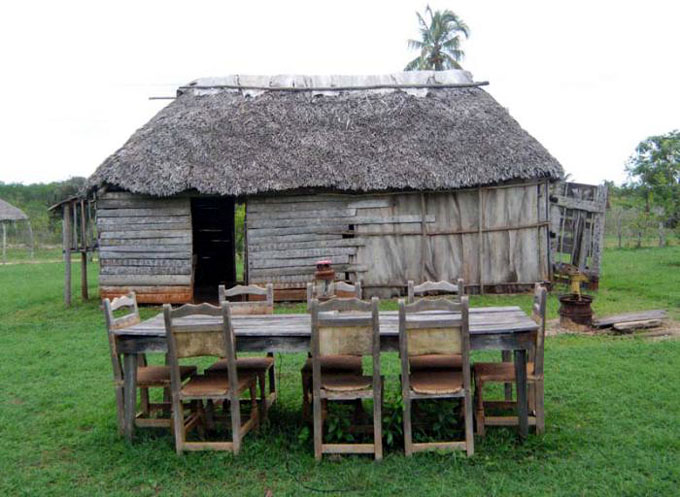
346	364
504	372
259	365
436	361
147	376
353	334
187	339
422	333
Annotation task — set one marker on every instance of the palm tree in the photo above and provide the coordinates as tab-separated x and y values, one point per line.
439	45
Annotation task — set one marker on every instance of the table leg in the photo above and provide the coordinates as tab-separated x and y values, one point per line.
130	393
521	378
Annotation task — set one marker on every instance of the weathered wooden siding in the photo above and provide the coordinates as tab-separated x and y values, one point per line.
387	239
145	245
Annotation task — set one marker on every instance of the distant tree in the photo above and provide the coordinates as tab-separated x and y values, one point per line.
654	170
439	43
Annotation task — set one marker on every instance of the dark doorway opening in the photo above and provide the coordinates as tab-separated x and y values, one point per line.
214	246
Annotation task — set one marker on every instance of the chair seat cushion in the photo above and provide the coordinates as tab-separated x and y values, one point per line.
214	385
244	364
500	371
159	376
336	363
345	382
436	382
436	361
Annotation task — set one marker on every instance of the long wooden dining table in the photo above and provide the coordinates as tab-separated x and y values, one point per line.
491	328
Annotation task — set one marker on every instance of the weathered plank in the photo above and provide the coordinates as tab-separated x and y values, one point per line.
166	289
112	221
140	203
637	325
284	223
579	204
293	213
608	321
294	238
371	203
146	262
171	211
156	235
114	254
106	279
264	246
286	263
145	243
144	270
295	254
274	272
310	232
303	208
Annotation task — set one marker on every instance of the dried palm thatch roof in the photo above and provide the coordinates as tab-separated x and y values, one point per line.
10	213
250	135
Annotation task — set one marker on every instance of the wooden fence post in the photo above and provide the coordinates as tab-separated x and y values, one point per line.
4	242
66	237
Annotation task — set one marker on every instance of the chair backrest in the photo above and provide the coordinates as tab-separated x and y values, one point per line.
345	327
538	311
337	289
435	286
423	331
129	302
264	306
113	323
192	331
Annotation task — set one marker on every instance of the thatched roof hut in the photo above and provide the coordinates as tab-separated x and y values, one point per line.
10	213
250	138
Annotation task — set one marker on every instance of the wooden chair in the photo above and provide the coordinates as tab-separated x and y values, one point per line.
504	372
427	334
259	365
187	339
342	364
436	361
147	376
335	334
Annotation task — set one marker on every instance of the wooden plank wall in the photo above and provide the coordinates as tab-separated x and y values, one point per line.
387	239
145	245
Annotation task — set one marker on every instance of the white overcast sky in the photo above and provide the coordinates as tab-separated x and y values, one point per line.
589	79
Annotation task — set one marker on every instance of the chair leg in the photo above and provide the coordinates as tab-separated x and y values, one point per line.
408	439
235	411
507	357
531	397
120	409
377	423
272	375
254	407
144	401
318	427
469	433
178	421
210	415
263	395
479	388
540	407
306	394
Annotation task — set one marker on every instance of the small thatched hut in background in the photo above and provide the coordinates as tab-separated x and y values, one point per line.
11	214
407	176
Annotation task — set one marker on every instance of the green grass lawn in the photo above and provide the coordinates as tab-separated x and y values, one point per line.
613	411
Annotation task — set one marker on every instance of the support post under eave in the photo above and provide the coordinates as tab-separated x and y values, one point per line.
83	251
4	243
66	241
31	240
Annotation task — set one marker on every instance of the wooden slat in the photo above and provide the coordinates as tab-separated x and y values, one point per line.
293	213
340	268
285	223
261	263
143	254
145	270
578	204
146	262
141	203
264	246
303	253
608	321
185	235
105	279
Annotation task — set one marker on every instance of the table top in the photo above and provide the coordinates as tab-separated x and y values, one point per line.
483	321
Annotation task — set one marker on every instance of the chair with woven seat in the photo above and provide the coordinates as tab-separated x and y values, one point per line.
187	339
345	327
424	333
504	372
147	376
436	361
261	366
340	364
